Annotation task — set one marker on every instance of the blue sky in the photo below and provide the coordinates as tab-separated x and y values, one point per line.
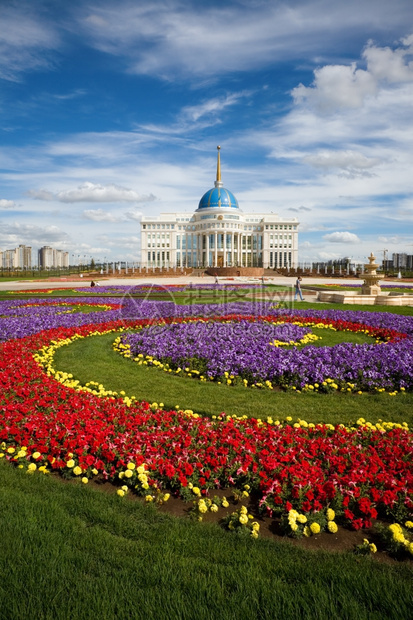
111	110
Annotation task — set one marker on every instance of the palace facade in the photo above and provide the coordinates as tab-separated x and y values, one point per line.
219	234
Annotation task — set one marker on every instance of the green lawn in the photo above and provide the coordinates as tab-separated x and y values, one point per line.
70	551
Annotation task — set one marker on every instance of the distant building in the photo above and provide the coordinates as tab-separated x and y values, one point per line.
402	261
49	258
18	258
219	234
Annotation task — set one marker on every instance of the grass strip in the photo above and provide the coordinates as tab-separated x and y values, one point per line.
72	551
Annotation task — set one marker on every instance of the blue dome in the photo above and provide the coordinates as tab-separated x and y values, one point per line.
218	197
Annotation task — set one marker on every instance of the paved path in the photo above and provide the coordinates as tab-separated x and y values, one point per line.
26	285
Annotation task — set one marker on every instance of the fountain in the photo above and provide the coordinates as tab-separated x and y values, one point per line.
370	293
371	279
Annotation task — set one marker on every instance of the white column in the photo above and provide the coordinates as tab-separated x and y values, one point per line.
197	250
216	250
232	249
207	251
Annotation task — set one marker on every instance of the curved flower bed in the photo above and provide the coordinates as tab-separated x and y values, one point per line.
360	473
308	467
248	350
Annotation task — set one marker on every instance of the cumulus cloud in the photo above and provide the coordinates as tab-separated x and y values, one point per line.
390	65
342	237
7	204
98	215
337	86
90	192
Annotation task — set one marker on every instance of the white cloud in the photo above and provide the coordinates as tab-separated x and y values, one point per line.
134	215
98	215
171	38
393	240
213	106
351	162
14	234
337	86
342	237
89	192
7	204
299	210
25	40
390	65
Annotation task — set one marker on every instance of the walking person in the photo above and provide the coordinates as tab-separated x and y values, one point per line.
298	289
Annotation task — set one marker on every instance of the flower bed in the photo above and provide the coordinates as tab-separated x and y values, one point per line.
360	473
249	351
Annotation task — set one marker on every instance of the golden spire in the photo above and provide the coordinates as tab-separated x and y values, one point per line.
218	182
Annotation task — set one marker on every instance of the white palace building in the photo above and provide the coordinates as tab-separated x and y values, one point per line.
219	234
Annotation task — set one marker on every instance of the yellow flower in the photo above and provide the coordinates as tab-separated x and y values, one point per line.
85	480
36	455
130	466
332	527
255	525
31	468
409	524
141	469
243	510
70	463
120	492
330	514
373	548
398	537
77	470
307	531
302	519
225	503
11	450
294	526
214	508
243	519
196	490
315	528
148	498
128	473
254	534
